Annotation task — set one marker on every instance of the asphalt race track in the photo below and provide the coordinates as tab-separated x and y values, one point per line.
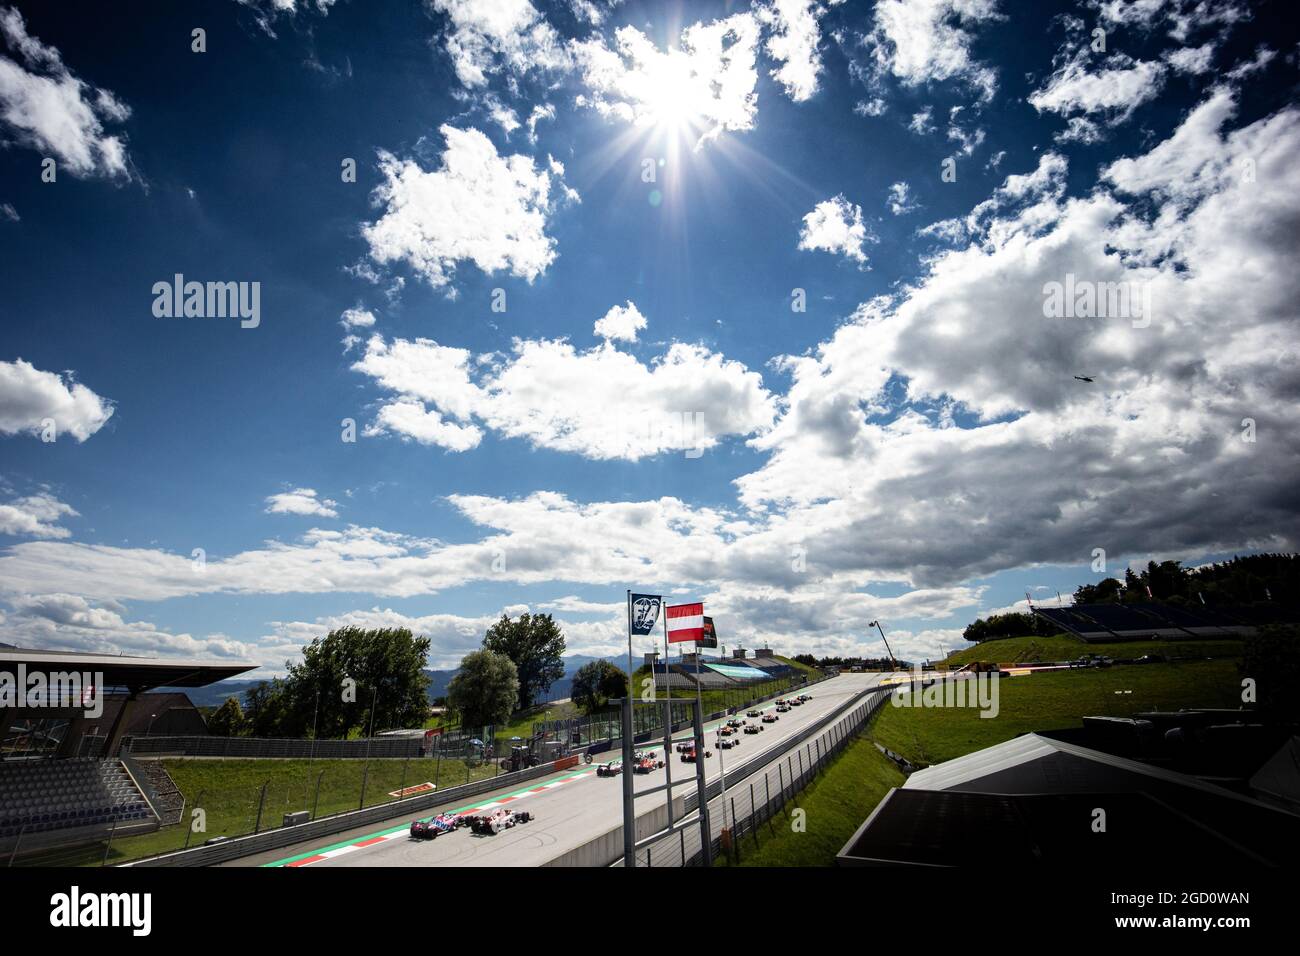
569	808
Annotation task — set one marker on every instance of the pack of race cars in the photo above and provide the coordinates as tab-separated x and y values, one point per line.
485	824
643	761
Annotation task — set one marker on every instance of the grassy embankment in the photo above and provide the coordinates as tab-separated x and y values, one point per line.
845	794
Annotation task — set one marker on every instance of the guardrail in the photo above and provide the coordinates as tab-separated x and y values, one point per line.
781	774
280	837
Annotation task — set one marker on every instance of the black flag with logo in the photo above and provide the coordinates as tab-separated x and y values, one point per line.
643	613
710	635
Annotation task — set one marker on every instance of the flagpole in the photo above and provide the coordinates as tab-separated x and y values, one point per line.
668	720
629	797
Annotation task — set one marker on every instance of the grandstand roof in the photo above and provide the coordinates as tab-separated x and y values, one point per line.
138	673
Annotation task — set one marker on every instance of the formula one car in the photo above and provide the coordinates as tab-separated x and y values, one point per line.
754	729
780	702
735	723
726	731
754	713
685	745
645	762
689	755
490	824
726	743
783	709
770	718
432	829
611	769
804	698
795	702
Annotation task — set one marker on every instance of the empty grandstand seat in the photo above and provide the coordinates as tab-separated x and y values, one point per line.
48	795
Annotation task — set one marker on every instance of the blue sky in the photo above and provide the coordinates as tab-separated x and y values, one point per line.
911	446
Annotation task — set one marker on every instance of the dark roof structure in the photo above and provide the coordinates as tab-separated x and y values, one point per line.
136	673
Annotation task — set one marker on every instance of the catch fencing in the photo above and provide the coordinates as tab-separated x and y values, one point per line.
761	790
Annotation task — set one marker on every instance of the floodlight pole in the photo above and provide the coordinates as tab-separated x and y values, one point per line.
892	660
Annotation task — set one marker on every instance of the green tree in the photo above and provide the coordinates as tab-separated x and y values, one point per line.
595	683
265	707
349	670
228	720
485	689
535	643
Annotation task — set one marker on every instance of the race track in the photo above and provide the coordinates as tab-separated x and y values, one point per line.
569	808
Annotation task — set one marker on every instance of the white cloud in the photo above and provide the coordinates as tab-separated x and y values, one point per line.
705	83
301	501
478	207
921	122
47	107
8	212
357	318
29	398
61	621
1149	456
35	516
600	403
792	39
901	200
872	107
620	323
836	226
1194	60
510	35
1112	92
921	41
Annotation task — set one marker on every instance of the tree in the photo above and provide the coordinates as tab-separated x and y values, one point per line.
485	690
340	677
228	720
265	706
535	643
595	683
809	660
350	669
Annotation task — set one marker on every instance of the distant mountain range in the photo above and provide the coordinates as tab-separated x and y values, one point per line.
215	694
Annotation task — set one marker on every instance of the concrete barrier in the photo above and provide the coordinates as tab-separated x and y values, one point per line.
608	847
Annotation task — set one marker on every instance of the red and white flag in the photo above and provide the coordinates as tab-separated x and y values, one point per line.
685	622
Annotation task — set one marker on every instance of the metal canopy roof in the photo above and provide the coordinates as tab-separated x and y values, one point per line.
138	673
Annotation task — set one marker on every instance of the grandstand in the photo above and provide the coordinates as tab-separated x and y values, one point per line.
60	801
716	674
1138	622
50	793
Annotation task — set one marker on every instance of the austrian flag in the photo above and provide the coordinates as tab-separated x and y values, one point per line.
685	622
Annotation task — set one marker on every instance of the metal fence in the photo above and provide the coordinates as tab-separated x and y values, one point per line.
760	791
604	731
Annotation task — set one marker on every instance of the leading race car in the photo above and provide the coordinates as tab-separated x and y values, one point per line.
611	769
432	829
645	762
490	824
